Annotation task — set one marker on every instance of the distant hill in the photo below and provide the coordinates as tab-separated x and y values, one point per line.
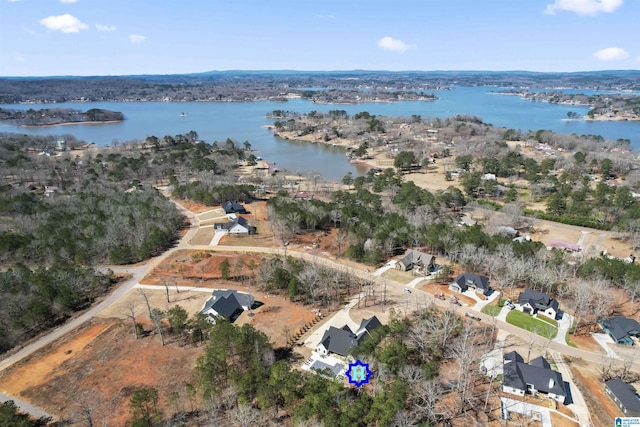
247	85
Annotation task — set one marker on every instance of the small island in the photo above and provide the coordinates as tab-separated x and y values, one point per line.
59	116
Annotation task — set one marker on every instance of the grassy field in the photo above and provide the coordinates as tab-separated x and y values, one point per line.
547	319
526	322
491	310
398	276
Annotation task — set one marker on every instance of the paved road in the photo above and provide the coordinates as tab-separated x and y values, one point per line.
26	407
138	272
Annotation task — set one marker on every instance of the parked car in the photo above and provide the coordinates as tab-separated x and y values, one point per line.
440	296
407	290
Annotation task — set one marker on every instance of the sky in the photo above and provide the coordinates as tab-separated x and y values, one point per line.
126	37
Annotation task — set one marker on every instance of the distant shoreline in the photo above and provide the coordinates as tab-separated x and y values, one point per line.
72	123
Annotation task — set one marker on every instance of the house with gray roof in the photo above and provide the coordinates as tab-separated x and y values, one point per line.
532	302
471	280
624	395
532	378
420	260
621	329
232	206
226	303
342	340
237	225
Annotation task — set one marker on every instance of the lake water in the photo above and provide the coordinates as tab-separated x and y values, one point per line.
246	121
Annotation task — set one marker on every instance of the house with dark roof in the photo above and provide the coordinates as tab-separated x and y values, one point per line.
532	302
532	378
624	395
473	281
226	303
232	206
621	329
419	260
237	225
342	340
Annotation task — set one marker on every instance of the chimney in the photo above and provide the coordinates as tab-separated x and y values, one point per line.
551	383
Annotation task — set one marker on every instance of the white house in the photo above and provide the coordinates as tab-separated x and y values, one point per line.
238	225
532	302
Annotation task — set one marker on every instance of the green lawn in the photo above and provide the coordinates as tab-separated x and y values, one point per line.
491	310
547	319
525	321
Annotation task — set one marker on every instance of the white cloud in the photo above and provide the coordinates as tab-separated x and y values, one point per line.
325	16
68	1
30	32
611	54
137	38
389	43
65	23
107	28
14	1
583	7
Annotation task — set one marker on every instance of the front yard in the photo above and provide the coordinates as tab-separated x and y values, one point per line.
531	324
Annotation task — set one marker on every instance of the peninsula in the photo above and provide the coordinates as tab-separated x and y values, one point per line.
59	116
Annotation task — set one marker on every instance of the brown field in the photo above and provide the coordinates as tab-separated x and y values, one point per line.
101	366
398	276
587	378
203	236
444	288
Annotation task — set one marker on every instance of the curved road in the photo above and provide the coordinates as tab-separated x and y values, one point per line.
140	271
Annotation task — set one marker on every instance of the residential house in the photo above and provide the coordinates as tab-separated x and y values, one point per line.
238	225
621	329
471	280
232	206
532	302
342	340
532	378
625	396
226	303
413	258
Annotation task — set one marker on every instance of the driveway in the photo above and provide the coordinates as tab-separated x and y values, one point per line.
578	405
604	340
564	324
338	320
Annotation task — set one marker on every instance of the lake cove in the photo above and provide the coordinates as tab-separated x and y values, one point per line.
246	121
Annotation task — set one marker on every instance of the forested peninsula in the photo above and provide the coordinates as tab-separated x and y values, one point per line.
59	116
608	106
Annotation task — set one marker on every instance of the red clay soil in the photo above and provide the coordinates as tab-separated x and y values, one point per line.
278	317
105	366
602	409
199	268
